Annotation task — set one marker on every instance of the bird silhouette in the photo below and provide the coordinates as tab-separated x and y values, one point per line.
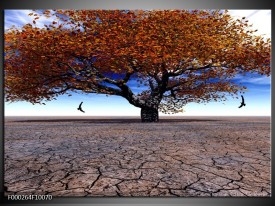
242	103
80	108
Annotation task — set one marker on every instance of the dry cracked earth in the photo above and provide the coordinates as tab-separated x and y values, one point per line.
123	157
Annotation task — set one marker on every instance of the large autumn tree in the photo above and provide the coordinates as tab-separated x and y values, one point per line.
175	56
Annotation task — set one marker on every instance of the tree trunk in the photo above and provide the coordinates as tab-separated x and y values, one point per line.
149	115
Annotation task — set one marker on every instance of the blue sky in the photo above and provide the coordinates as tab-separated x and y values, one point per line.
258	96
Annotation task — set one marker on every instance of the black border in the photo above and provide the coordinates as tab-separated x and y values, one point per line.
128	4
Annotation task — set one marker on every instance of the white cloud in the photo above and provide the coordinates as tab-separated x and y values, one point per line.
19	18
16	18
260	19
262	80
259	80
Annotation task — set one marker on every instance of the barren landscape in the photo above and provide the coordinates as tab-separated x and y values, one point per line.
187	156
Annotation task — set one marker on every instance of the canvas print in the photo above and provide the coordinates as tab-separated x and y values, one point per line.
147	103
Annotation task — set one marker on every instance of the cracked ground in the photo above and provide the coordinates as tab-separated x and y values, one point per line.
124	157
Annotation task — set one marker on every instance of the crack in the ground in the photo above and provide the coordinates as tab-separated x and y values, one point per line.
184	160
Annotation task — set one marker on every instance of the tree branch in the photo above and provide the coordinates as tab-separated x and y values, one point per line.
127	76
96	88
57	92
179	72
151	84
66	64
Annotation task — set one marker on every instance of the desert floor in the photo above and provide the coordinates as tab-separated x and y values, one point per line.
192	156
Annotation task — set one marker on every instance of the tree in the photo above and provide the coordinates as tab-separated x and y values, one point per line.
175	56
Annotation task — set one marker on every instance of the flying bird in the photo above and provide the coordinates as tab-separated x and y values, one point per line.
242	103
80	108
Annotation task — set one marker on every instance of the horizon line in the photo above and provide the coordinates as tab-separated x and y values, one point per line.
137	116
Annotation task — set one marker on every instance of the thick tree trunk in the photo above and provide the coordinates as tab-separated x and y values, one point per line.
149	115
